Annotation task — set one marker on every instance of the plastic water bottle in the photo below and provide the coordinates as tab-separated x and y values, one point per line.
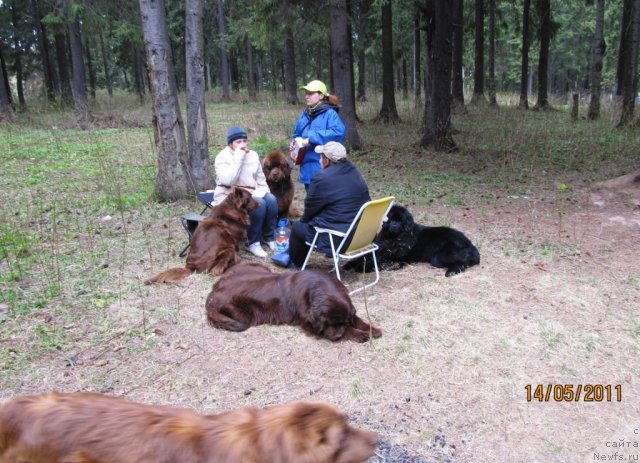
282	234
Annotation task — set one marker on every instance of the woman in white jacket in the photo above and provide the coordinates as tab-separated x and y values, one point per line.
237	165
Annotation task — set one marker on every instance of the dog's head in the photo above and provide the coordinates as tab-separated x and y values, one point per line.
313	432
242	199
399	220
276	167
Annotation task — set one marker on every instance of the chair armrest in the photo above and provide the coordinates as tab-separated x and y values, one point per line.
331	232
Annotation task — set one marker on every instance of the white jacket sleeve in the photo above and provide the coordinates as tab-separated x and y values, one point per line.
228	166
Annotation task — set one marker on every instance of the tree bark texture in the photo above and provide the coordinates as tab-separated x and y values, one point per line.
597	58
105	64
172	180
250	69
6	110
624	49
17	55
491	84
417	56
388	112
224	56
631	70
342	72
457	90
44	52
5	79
478	71
544	13
196	110
78	82
524	68
91	69
290	67
63	68
437	118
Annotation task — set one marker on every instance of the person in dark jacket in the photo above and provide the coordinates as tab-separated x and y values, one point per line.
334	198
318	124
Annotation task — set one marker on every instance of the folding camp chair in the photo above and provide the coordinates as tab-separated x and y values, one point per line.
357	241
191	220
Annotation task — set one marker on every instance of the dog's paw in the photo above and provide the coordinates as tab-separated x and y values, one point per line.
451	271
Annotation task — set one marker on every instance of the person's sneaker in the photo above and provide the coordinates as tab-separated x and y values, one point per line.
272	245
256	249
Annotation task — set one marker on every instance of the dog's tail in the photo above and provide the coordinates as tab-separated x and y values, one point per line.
171	275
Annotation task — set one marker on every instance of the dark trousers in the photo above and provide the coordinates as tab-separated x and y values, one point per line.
298	248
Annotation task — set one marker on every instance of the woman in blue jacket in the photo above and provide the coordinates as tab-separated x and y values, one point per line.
318	124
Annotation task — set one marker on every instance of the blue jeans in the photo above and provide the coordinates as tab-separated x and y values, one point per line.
262	221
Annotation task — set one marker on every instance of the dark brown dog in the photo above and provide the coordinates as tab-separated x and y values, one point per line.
277	170
250	294
93	428
215	245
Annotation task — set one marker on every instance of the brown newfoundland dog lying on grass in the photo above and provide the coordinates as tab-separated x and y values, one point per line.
277	170
215	245
250	294
93	428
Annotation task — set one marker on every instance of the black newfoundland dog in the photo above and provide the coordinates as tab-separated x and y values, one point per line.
402	241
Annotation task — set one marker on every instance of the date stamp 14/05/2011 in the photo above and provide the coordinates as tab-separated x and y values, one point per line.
574	392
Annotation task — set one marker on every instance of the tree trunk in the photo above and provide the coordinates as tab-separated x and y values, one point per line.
362	76
363	34
417	55
44	52
80	103
251	88
405	80
172	180
196	111
274	72
596	62
90	69
544	13
437	118
631	71
492	54
138	72
624	50
63	68
457	91
478	71
234	73
224	56
17	56
290	66
388	112
105	64
6	110
636	46
341	65
524	68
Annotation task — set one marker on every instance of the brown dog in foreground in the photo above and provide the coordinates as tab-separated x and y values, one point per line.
277	170
215	245
250	294
94	428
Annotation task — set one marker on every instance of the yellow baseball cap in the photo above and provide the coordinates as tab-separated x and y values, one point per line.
316	86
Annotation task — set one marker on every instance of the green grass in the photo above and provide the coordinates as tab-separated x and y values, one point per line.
76	201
